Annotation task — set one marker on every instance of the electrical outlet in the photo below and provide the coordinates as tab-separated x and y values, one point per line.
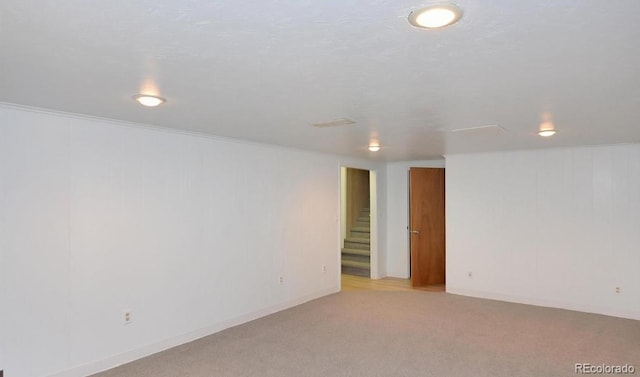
126	317
281	280
618	290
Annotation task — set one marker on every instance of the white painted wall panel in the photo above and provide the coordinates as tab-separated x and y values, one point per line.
189	233
4	160
35	265
552	227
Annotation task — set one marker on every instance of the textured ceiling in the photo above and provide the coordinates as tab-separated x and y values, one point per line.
267	70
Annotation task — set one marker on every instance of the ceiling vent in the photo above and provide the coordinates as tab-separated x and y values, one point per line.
335	123
492	129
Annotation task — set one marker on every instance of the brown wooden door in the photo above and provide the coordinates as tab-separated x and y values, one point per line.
427	226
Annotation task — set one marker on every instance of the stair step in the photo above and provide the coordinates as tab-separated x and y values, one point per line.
363	224
357	243
360	234
346	250
352	263
357	258
364	272
358	240
364	229
353	245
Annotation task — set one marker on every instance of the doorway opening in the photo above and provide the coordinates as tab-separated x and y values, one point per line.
358	226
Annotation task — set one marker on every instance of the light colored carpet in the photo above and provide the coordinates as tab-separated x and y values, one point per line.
372	333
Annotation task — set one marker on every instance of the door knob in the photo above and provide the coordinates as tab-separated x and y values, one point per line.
413	231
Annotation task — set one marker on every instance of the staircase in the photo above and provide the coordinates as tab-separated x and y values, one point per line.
356	251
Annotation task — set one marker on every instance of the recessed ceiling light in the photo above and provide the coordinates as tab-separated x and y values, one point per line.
149	100
435	16
547	133
374	147
547	128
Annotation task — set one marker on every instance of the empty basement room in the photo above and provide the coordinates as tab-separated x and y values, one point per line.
171	192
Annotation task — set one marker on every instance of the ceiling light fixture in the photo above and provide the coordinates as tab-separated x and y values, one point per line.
374	147
149	100
435	16
547	133
547	129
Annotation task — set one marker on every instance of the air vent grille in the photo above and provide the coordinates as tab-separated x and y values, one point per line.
491	129
335	123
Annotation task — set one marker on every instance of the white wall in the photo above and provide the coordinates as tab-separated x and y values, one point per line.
378	254
343	204
189	233
553	227
398	214
3	227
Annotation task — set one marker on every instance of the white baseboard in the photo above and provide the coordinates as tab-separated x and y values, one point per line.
138	353
545	303
397	274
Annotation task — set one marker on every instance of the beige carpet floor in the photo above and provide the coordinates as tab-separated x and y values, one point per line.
373	333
